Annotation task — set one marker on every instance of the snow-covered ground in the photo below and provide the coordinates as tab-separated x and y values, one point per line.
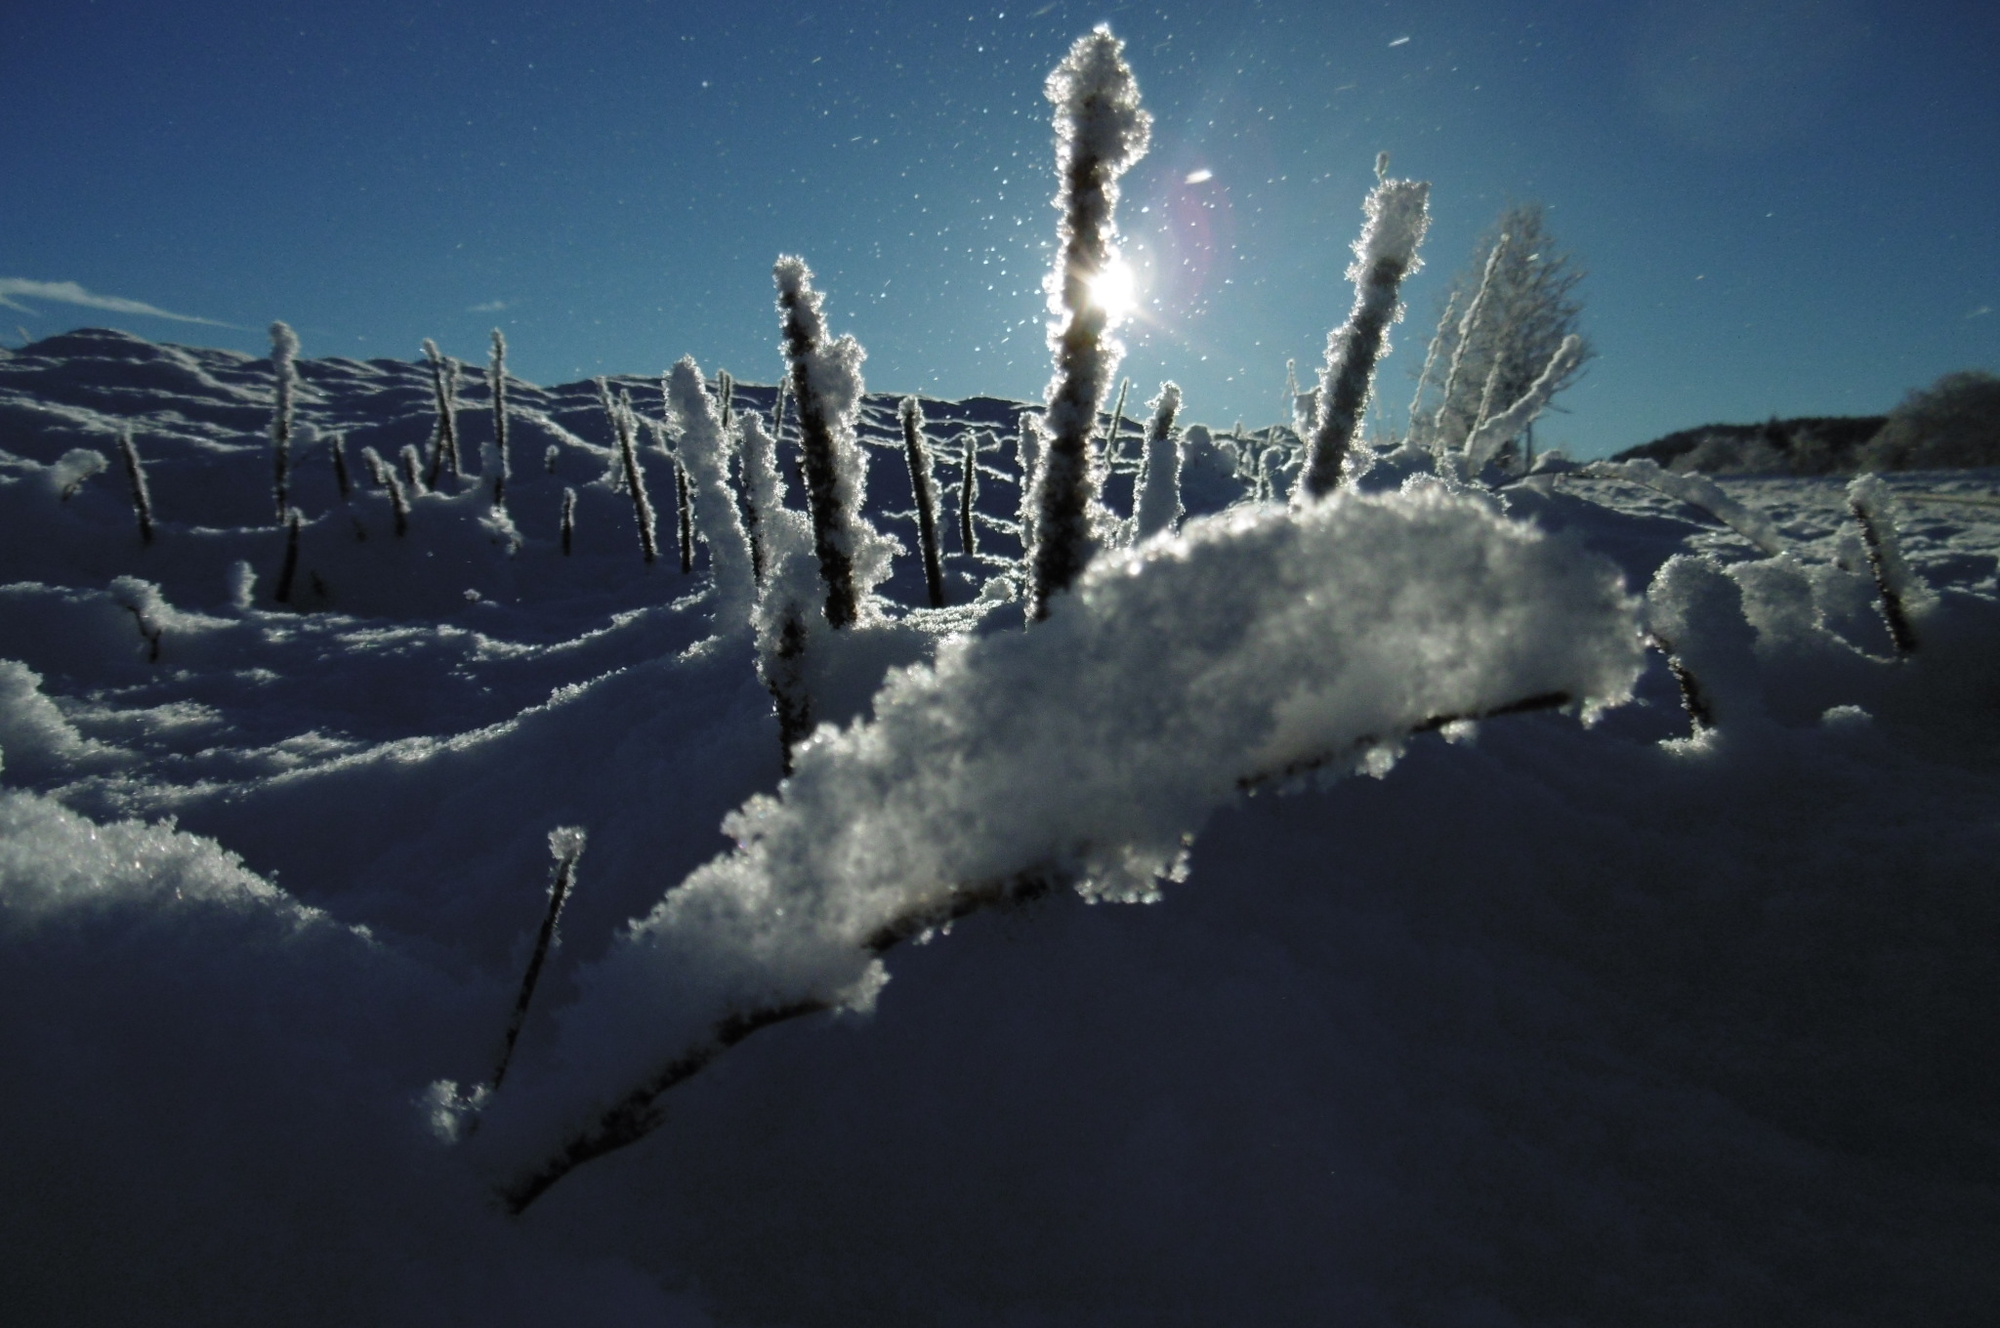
1525	1020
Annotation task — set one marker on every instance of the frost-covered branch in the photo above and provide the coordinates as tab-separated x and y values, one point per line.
566	847
1872	503
1258	645
1486	439
444	385
1398	215
1100	132
1697	491
1467	330
135	478
968	492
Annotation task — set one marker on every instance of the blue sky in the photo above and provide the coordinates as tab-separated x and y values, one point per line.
1784	206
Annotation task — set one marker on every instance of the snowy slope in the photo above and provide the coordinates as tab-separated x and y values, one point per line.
1524	1022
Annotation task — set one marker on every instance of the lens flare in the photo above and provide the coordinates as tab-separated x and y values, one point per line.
1115	290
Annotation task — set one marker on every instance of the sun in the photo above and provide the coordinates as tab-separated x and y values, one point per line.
1114	288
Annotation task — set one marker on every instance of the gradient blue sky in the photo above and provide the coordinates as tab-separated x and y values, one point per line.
1785	206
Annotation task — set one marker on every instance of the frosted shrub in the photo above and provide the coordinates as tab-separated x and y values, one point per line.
1493	431
1100	132
1398	215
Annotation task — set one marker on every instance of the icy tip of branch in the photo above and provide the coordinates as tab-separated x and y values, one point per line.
1097	103
1399	213
499	342
1169	400
792	274
284	341
566	843
431	350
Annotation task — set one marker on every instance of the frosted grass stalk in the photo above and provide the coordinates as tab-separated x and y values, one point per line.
1158	506
444	385
135	476
968	496
704	457
287	573
1028	460
923	488
496	378
635	478
568	520
827	387
413	469
1871	501
337	445
566	847
284	370
1398	215
1101	131
763	487
1430	362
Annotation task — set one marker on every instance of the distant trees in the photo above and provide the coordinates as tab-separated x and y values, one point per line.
1520	303
1953	422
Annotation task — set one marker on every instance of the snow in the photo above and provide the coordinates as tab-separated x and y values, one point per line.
1432	1020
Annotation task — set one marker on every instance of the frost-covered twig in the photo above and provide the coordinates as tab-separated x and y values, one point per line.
1117	428
763	488
1182	677
923	486
566	846
568	520
284	351
1490	433
135	476
1158	506
1870	500
496	378
1100	132
1398	215
1416	427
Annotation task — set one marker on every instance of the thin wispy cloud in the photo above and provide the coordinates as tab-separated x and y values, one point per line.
68	292
1981	311
490	307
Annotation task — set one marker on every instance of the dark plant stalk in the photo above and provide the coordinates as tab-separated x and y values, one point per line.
566	844
1117	429
684	510
135	474
290	569
1694	699
444	384
635	481
917	451
804	336
638	1112
497	384
568	520
413	469
1895	615
284	351
968	497
337	444
785	679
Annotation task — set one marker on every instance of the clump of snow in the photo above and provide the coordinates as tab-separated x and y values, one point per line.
1257	647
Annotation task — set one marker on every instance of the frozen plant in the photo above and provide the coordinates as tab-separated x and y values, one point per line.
1901	594
568	520
1696	491
763	487
282	593
135	476
1398	215
628	462
1254	650
923	488
826	384
413	469
968	492
704	455
1159	503
444	385
1028	462
496	379
336	444
566	847
1101	130
284	372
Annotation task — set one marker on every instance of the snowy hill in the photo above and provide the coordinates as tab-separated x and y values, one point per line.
1436	1019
